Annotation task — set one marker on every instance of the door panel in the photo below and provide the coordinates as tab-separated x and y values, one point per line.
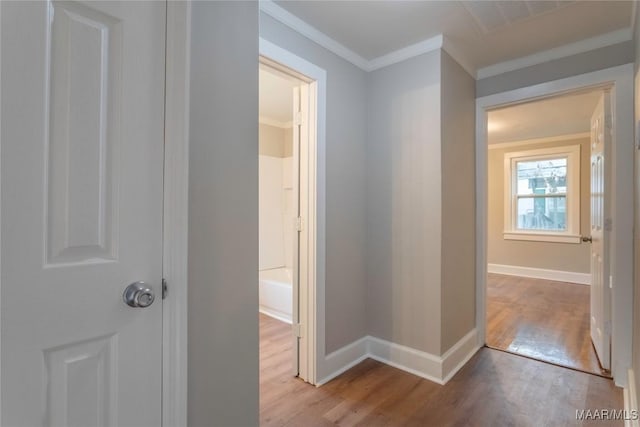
600	291
82	119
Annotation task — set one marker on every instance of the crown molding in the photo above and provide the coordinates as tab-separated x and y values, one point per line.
290	20
442	42
566	137
312	33
449	47
405	53
263	120
603	40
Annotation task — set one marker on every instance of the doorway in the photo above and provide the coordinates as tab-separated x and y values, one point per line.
540	202
617	82
286	221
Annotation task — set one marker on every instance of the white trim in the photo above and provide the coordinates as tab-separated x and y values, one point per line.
316	224
176	218
541	237
621	78
411	51
0	218
547	139
541	273
585	45
344	359
416	362
439	369
440	42
263	120
631	402
458	355
312	33
428	45
449	47
276	314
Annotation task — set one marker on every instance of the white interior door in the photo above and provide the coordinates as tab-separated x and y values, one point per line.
600	227
82	117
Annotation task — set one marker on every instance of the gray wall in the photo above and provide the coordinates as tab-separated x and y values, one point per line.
458	202
345	184
223	218
403	203
598	59
552	256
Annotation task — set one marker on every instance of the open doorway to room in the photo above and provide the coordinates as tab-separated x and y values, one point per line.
547	293
286	229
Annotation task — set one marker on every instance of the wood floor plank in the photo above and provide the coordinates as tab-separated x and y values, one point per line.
542	319
493	389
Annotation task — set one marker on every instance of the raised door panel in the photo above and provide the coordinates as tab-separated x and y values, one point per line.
84	134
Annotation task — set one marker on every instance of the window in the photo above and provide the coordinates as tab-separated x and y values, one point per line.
542	195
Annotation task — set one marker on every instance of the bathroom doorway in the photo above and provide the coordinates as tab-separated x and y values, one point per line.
286	224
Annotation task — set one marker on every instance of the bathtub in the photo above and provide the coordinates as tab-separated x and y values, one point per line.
275	293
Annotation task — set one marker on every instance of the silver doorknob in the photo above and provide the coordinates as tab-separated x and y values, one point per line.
138	294
587	239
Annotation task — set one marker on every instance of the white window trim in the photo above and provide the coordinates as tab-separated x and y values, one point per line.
572	234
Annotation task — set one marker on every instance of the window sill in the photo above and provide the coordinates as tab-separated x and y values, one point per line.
542	237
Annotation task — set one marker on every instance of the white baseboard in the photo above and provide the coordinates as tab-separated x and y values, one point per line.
458	355
541	273
439	369
344	359
283	317
631	402
416	362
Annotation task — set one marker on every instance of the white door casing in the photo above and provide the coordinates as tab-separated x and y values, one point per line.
298	351
301	263
600	228
81	212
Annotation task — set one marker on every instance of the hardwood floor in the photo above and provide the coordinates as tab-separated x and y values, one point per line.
493	389
542	319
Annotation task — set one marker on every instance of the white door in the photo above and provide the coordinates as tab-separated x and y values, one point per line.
82	116
600	227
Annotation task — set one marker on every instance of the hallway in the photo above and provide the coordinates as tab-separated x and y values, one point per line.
493	389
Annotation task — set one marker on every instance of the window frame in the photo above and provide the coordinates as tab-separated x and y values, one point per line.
572	232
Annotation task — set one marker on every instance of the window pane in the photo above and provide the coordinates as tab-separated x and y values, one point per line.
542	213
547	176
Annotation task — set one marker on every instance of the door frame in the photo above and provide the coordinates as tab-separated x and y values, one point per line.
176	214
312	302
620	79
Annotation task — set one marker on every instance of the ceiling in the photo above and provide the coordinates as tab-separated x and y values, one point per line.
560	115
275	96
483	32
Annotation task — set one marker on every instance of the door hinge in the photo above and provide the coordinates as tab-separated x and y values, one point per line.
297	119
299	223
297	330
165	289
